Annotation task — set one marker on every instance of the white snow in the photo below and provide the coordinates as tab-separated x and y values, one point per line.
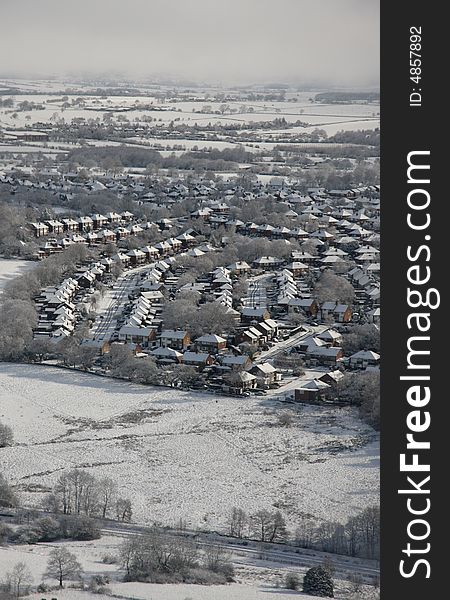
11	267
186	455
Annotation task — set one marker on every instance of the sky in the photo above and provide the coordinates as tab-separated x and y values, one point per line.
228	41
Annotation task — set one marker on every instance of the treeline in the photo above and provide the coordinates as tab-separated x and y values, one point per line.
359	536
80	493
357	151
50	529
18	316
345	97
263	525
129	156
363	390
15	240
368	137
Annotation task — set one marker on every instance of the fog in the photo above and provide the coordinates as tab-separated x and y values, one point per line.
229	41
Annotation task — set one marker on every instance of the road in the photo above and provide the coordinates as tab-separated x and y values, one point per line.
290	342
257	294
106	320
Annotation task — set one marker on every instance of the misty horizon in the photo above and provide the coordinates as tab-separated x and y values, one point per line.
257	42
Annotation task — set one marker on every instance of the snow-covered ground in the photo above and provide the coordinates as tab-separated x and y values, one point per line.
254	579
183	454
11	267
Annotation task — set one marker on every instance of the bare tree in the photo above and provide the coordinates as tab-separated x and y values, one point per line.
124	510
107	494
238	522
19	579
262	524
63	565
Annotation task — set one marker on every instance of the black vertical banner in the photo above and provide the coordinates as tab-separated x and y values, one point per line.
415	238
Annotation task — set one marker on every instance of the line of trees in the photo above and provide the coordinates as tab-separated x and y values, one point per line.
80	493
18	316
264	525
51	529
359	536
362	389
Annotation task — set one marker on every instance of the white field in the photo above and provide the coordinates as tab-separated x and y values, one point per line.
11	267
183	454
349	116
254	580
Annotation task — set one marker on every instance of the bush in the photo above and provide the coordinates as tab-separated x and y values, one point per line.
5	533
317	582
81	528
109	559
25	535
7	497
201	576
49	529
292	581
6	436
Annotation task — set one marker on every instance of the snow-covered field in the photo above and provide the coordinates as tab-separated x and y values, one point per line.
350	116
10	268
182	454
254	580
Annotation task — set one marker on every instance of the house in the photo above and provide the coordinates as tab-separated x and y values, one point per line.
312	392
331	337
167	354
178	340
86	279
39	229
248	315
150	252
306	305
99	221
265	374
250	336
374	316
55	226
106	236
364	359
268	263
332	378
327	310
239	382
212	344
70	224
325	356
297	268
269	328
197	359
122	233
343	313
102	346
85	224
236	363
136	257
113	217
136	334
239	268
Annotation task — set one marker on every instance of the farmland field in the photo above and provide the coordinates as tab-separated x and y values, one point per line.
11	268
182	454
255	579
